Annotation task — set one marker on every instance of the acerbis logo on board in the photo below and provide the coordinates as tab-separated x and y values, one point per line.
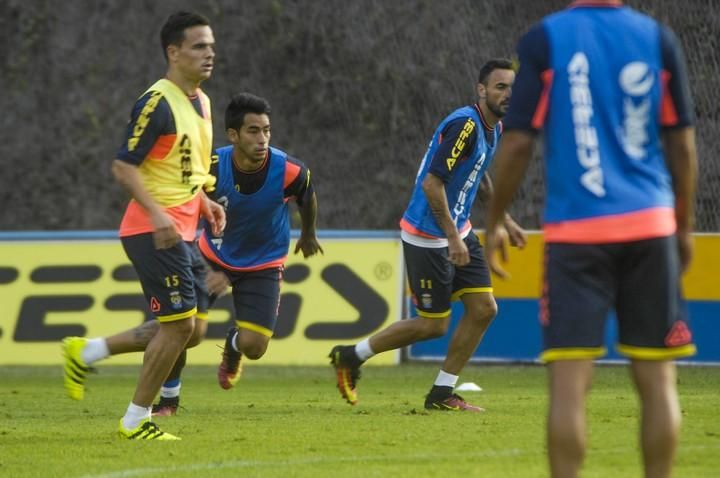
32	323
51	290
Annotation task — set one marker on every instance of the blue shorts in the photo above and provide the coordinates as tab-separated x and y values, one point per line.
640	280
435	282
173	280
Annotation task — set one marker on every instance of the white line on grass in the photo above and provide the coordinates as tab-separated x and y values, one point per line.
299	461
356	459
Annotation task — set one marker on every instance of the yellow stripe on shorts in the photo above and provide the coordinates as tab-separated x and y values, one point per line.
572	353
241	324
180	316
656	353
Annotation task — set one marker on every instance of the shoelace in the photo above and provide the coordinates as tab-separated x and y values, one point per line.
227	350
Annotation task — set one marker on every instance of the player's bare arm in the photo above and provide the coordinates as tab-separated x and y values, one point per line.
434	190
681	156
165	234
511	161
516	234
308	243
213	213
486	189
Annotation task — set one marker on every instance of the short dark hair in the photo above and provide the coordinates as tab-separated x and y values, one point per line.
173	32
492	65
242	104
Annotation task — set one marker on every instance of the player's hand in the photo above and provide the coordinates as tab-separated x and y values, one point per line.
214	214
217	282
496	241
458	251
165	235
309	246
685	249
516	234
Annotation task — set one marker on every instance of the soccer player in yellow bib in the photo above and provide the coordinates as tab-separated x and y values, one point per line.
164	165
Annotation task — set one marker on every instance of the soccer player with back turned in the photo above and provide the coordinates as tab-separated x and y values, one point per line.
608	87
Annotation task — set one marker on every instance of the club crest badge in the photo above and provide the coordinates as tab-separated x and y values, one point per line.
175	299
426	300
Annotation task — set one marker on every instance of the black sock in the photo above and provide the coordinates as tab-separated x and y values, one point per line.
439	391
349	357
170	400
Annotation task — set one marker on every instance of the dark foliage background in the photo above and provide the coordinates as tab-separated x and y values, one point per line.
357	88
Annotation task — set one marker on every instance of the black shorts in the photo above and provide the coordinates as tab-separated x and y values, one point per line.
173	280
435	282
640	280
256	297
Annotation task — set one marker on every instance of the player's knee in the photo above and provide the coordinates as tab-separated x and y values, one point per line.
183	329
433	328
483	310
198	333
193	341
255	349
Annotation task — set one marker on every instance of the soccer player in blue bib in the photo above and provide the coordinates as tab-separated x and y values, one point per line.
255	181
608	87
443	257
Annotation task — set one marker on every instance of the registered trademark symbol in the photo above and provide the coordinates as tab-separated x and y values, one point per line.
383	271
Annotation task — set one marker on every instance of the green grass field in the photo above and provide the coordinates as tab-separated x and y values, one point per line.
290	421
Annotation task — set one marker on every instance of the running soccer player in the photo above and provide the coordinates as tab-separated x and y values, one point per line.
255	181
443	256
